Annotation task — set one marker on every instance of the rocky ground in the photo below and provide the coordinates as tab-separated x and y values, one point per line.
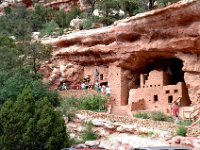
124	133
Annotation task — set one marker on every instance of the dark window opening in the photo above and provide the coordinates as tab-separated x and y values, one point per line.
104	83
176	91
101	76
170	99
155	97
167	91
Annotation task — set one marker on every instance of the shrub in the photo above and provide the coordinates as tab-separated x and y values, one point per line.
107	20
185	123
151	134
181	131
88	134
142	115
49	28
68	107
95	103
158	116
88	23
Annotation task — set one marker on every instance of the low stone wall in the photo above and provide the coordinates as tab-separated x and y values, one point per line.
134	122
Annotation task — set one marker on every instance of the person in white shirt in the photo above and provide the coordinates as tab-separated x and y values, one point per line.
107	91
83	86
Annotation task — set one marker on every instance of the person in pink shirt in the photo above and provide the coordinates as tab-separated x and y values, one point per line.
175	112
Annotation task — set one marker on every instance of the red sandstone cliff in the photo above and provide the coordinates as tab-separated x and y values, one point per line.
133	43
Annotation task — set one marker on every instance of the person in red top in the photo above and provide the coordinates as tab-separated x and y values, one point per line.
175	112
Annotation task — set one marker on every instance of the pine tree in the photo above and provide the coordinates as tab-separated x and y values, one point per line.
30	124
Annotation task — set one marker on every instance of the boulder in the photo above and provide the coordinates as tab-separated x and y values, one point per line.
97	122
92	143
77	23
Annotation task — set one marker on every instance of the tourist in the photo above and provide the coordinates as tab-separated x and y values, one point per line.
96	86
108	91
103	89
96	75
63	87
78	86
83	86
175	112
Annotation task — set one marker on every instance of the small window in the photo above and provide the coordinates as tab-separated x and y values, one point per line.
155	97
170	99
176	91
150	85
101	76
167	91
158	84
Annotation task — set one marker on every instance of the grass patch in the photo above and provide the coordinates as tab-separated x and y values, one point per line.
181	131
89	102
156	116
88	134
185	123
142	115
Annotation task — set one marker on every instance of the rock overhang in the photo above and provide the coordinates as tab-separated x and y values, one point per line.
135	41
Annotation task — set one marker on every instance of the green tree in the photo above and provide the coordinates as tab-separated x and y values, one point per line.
61	19
17	23
12	85
129	6
33	54
107	6
8	54
7	10
30	124
17	70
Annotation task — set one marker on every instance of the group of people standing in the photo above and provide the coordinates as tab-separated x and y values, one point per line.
103	89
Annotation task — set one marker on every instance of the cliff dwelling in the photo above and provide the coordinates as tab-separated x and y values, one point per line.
149	60
161	84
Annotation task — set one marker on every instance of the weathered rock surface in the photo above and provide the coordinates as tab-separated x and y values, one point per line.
62	72
123	139
133	43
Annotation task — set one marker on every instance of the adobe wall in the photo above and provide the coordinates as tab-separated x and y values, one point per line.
90	71
114	81
139	105
155	78
163	92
